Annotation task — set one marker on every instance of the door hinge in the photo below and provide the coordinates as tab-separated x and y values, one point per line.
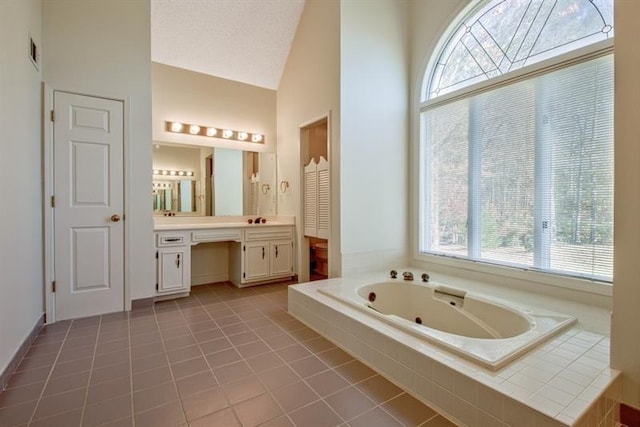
53	286
53	201
244	248
53	115
244	275
156	286
156	256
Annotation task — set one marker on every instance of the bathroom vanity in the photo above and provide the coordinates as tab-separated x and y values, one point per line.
258	253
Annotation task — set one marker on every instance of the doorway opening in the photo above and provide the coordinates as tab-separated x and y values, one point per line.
314	156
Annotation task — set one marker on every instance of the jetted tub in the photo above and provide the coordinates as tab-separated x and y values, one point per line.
490	332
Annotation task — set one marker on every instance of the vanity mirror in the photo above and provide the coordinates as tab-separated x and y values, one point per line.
212	181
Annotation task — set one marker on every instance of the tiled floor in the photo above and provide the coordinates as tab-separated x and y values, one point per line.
222	357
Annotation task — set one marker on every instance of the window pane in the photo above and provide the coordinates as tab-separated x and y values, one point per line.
581	119
447	168
506	134
523	174
500	36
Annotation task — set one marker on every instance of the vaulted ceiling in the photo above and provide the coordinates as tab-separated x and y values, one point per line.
242	40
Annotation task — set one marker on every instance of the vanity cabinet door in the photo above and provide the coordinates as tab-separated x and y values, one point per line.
173	269
281	258
256	261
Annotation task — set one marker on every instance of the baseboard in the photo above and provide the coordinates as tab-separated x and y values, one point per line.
141	303
5	375
209	278
629	416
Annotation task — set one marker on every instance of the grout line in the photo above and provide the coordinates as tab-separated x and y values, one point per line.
53	366
93	360
133	414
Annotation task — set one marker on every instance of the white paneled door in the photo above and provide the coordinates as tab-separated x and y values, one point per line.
88	139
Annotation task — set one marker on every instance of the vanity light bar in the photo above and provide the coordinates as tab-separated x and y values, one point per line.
199	130
164	172
161	185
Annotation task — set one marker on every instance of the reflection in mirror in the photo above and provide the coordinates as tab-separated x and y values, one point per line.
196	180
178	195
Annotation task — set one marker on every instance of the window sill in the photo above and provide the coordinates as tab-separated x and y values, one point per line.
580	290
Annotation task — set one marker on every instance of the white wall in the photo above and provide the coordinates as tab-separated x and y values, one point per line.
102	48
625	325
171	157
21	259
310	88
190	97
374	90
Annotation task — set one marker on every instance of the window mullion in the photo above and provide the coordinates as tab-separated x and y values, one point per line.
544	222
474	208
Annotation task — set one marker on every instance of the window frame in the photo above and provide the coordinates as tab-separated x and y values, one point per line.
446	261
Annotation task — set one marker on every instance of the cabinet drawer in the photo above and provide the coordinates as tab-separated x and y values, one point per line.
171	239
216	235
268	233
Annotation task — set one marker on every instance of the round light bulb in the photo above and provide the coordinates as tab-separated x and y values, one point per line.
165	172
212	131
190	173
181	173
194	129
156	172
227	133
172	173
242	136
176	127
256	137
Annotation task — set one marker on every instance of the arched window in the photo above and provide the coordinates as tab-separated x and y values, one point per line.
517	138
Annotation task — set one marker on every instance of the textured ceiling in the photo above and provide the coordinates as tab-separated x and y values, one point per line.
242	40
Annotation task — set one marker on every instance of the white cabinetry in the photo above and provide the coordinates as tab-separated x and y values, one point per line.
316	199
266	254
281	258
173	263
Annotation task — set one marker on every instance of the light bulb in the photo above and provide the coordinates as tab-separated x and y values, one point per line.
212	131
190	173
242	136
165	172
172	173
181	173
194	129
176	127
227	133
156	172
256	137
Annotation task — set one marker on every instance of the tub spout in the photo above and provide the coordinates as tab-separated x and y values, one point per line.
393	274
425	277
407	275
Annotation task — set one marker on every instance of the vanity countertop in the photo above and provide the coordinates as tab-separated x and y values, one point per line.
162	223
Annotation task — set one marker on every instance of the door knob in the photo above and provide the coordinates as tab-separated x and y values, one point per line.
115	218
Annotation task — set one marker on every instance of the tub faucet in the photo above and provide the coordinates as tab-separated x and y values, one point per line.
425	277
393	274
407	275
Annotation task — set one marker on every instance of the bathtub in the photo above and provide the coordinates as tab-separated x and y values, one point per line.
488	331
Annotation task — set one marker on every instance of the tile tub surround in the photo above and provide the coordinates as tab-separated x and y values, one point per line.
565	381
221	357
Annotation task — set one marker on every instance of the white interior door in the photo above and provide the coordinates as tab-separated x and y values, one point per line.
88	140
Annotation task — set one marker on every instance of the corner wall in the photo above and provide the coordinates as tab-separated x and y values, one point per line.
21	253
374	139
103	48
310	88
625	322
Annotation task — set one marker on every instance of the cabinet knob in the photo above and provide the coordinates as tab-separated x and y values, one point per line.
115	218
